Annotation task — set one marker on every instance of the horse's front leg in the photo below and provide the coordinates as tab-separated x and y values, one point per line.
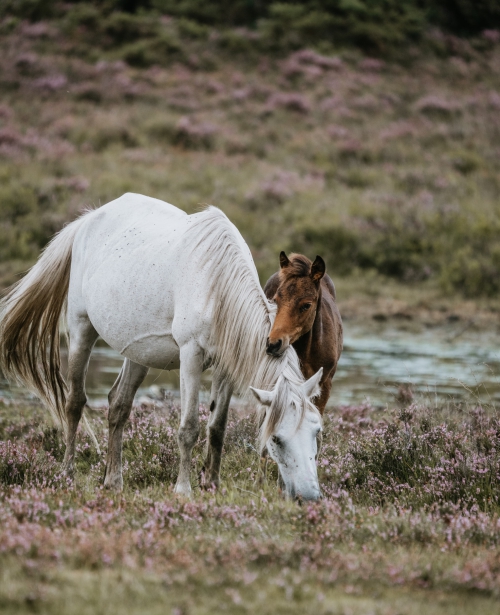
191	356
121	398
216	429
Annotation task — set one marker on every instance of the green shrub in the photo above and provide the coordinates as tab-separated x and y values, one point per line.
217	12
472	271
146	52
192	29
379	26
467	162
338	245
463	16
409	245
28	9
124	28
84	15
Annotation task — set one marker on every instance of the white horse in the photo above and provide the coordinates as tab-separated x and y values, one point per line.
169	291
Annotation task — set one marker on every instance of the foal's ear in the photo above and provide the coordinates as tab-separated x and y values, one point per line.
318	269
264	397
284	260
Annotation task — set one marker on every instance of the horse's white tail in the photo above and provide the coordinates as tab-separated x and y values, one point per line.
29	330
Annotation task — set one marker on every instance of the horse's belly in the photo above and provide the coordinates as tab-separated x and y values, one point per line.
153	350
141	333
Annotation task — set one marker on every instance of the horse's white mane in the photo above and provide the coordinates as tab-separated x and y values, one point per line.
242	320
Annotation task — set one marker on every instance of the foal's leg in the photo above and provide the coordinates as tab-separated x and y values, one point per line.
191	357
322	399
216	429
320	403
82	337
120	399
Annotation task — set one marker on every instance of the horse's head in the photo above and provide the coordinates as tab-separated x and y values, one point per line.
297	299
290	428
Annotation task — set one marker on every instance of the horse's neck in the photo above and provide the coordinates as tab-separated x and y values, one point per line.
242	322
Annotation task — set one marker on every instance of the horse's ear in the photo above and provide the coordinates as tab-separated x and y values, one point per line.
318	269
264	397
284	261
311	387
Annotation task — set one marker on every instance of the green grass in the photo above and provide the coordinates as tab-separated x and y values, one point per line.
109	591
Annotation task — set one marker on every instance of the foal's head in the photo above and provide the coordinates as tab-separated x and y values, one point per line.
297	300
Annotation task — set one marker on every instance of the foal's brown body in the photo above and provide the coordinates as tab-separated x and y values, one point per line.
308	318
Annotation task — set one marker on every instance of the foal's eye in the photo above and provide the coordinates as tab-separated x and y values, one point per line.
305	307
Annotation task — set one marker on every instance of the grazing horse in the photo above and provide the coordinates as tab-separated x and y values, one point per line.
169	291
308	318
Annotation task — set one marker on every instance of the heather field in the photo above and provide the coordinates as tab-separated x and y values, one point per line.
410	519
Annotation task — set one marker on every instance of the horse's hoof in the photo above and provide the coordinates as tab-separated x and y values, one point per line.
69	470
184	490
209	485
115	484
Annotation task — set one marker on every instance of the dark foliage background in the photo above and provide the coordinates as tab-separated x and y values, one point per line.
374	25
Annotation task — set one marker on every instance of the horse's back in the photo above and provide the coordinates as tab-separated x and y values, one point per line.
142	203
125	275
142	277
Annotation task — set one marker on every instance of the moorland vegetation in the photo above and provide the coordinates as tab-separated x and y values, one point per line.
366	131
381	157
410	519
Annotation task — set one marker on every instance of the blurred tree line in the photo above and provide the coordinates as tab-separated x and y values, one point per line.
373	25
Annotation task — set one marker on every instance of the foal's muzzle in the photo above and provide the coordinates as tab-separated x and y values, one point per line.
273	349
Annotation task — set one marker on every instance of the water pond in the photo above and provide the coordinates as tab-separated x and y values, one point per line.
443	363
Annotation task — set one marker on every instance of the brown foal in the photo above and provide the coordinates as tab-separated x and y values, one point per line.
308	318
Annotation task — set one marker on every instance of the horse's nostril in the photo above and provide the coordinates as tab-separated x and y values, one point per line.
273	348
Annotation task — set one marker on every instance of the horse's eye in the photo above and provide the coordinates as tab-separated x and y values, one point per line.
305	307
277	440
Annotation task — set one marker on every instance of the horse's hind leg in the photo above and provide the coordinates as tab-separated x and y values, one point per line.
82	337
121	398
216	429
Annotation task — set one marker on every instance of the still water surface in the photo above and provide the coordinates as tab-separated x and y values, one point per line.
439	364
